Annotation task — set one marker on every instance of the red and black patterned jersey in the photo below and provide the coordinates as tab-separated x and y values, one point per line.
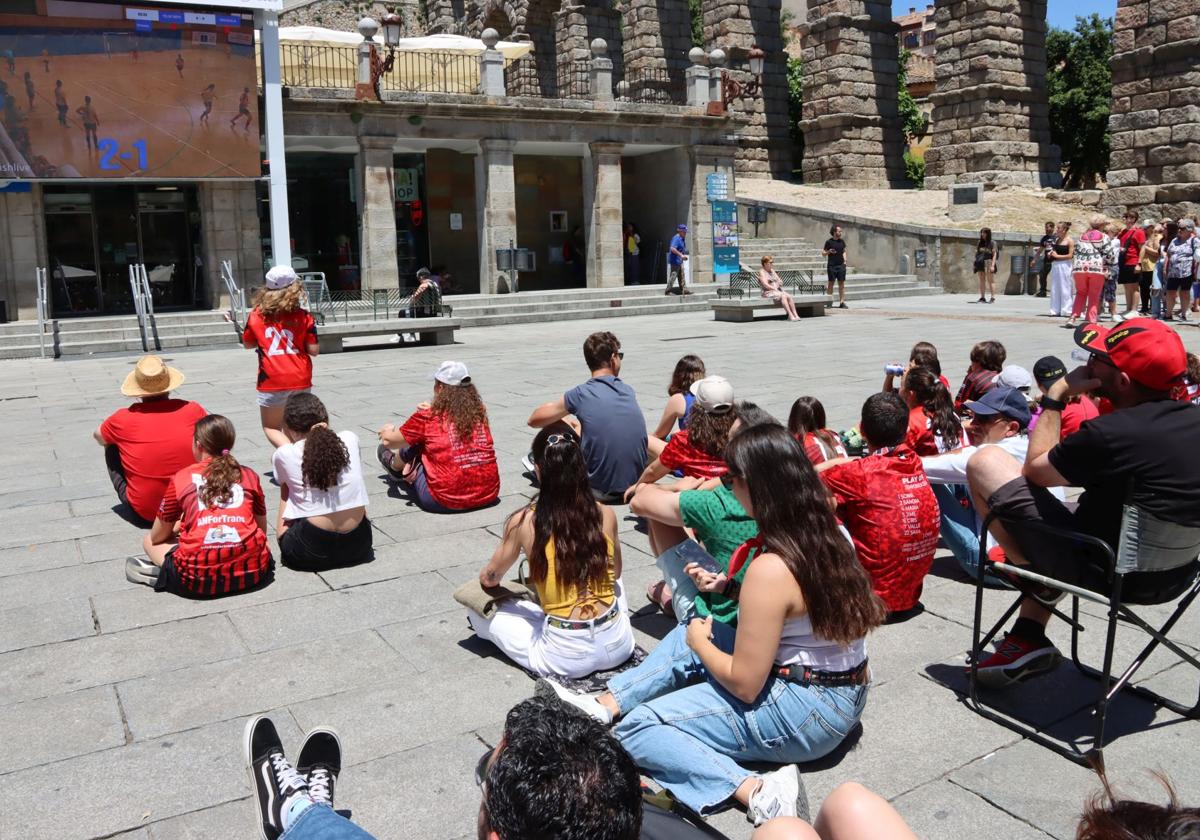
974	386
220	549
283	360
462	474
679	454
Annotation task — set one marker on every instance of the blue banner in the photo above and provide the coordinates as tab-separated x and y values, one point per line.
228	20
165	16
143	26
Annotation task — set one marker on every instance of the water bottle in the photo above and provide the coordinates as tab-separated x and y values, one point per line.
893	369
1080	355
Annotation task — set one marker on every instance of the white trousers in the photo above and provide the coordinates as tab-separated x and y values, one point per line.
1062	288
519	629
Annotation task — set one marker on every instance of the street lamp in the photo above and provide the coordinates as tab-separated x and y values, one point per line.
732	89
393	24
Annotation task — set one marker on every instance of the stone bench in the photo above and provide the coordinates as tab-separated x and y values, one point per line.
331	336
743	309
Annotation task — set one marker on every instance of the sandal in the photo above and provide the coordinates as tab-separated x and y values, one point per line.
659	594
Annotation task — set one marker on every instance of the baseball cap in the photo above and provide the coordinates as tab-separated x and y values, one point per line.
451	373
713	393
280	277
681	227
1049	369
1147	351
1008	402
1187	224
1015	376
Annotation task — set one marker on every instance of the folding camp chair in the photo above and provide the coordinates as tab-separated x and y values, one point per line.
1147	544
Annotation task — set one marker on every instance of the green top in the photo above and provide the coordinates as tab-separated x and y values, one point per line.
721	525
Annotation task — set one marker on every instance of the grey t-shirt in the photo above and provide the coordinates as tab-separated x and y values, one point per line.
614	431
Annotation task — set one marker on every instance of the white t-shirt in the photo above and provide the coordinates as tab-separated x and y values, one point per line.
304	501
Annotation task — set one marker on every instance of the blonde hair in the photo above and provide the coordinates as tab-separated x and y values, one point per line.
1098	221
272	303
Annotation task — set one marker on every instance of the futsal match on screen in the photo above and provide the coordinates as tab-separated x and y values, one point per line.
112	90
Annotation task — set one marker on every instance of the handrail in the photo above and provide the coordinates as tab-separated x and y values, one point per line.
237	295
143	305
43	307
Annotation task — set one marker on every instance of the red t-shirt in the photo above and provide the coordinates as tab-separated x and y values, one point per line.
920	438
283	360
1132	240
155	441
817	449
1075	414
461	474
220	549
679	454
887	505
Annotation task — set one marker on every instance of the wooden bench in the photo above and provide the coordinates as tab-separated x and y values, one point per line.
430	331
743	309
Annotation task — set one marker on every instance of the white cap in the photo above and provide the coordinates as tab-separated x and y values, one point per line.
451	373
280	277
713	393
1015	376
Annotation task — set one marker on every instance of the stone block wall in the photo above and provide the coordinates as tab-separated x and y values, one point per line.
229	210
991	119
344	15
852	134
1155	123
576	26
657	37
764	144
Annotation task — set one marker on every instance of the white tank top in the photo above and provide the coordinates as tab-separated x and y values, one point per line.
798	646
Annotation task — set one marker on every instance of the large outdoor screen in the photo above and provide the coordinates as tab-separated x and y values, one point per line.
117	90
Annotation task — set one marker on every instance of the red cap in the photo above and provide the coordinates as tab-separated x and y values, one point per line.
1147	351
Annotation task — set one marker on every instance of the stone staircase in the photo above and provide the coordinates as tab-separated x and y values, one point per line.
793	254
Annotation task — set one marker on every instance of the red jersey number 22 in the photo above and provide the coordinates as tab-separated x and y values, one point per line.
282	343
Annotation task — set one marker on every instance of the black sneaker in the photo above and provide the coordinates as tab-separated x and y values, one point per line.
843	305
320	762
274	781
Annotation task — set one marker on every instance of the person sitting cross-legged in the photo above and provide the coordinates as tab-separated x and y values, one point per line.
887	505
1136	366
788	684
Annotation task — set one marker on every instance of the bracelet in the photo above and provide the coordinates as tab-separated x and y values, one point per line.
1051	404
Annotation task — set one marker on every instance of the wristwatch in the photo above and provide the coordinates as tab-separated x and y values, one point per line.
1051	404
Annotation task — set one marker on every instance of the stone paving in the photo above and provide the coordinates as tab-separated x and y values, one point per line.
123	708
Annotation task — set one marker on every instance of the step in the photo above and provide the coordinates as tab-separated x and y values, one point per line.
689	305
21	351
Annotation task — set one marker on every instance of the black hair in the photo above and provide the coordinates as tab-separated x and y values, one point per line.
833	229
884	419
932	395
808	416
924	354
751	414
559	775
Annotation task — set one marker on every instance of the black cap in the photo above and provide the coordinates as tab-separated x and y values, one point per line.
1049	369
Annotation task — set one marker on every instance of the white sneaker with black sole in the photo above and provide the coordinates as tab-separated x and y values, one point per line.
585	703
275	782
319	762
527	461
781	794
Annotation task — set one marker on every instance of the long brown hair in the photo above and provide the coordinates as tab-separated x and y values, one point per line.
1105	817
272	303
462	406
688	369
808	417
932	395
797	522
708	431
325	454
214	435
565	510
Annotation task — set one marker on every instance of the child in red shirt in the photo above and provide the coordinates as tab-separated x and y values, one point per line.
933	427
284	335
807	425
217	505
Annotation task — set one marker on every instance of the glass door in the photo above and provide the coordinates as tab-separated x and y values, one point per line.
71	246
117	236
166	246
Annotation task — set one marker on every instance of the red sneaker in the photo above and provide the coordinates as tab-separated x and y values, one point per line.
1016	660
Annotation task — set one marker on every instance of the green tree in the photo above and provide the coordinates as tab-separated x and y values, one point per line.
697	16
795	85
912	119
1079	83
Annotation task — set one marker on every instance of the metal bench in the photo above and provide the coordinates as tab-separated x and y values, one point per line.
743	309
436	331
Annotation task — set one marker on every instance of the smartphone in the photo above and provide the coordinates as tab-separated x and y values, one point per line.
705	562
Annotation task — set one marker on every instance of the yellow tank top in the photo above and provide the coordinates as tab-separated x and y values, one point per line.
561	600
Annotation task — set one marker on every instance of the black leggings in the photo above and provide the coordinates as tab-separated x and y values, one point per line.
307	548
116	474
1144	278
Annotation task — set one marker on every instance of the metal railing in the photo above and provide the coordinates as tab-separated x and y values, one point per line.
524	77
795	280
378	305
336	66
237	295
143	305
43	308
652	86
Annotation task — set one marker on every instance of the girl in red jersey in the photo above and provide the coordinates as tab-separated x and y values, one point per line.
284	335
807	425
933	427
210	536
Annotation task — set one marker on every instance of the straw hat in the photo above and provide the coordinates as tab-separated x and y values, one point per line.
151	377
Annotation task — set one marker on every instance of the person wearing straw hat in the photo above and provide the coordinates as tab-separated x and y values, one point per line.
148	442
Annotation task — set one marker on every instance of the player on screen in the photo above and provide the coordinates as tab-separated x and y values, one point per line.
11	62
243	110
207	96
46	60
87	115
30	92
179	64
60	102
134	53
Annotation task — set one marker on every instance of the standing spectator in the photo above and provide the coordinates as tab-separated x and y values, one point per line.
1159	285
1095	256
834	251
688	369
1180	268
1108	296
1046	250
771	285
1062	285
806	422
676	256
444	451
986	255
887	505
1132	238
987	360
610	420
933	427
147	443
633	255
1047	371
1147	259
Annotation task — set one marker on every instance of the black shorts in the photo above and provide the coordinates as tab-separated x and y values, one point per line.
1128	274
307	548
836	272
169	581
1175	284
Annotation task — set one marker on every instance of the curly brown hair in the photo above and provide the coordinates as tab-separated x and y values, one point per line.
325	454
462	406
708	431
272	303
214	435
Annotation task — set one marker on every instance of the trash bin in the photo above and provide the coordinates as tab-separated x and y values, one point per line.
1019	263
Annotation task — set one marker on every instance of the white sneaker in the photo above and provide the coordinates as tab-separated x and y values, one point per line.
1118	318
527	461
1132	313
779	795
584	702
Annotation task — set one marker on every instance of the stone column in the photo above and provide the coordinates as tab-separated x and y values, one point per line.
491	65
22	250
602	191
851	125
697	76
706	160
1155	120
991	120
229	218
600	74
377	207
495	207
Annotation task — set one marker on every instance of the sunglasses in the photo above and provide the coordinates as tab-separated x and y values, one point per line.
620	354
551	440
481	768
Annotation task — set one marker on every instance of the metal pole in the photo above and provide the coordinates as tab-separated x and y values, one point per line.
148	304
41	309
514	274
281	240
137	306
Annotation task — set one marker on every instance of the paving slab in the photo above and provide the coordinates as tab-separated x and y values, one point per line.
36	557
62	726
68	582
40	624
942	810
228	821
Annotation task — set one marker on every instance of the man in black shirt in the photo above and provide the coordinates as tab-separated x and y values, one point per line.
835	251
1137	366
1046	248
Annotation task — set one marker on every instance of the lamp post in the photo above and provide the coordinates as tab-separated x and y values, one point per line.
732	89
392	25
